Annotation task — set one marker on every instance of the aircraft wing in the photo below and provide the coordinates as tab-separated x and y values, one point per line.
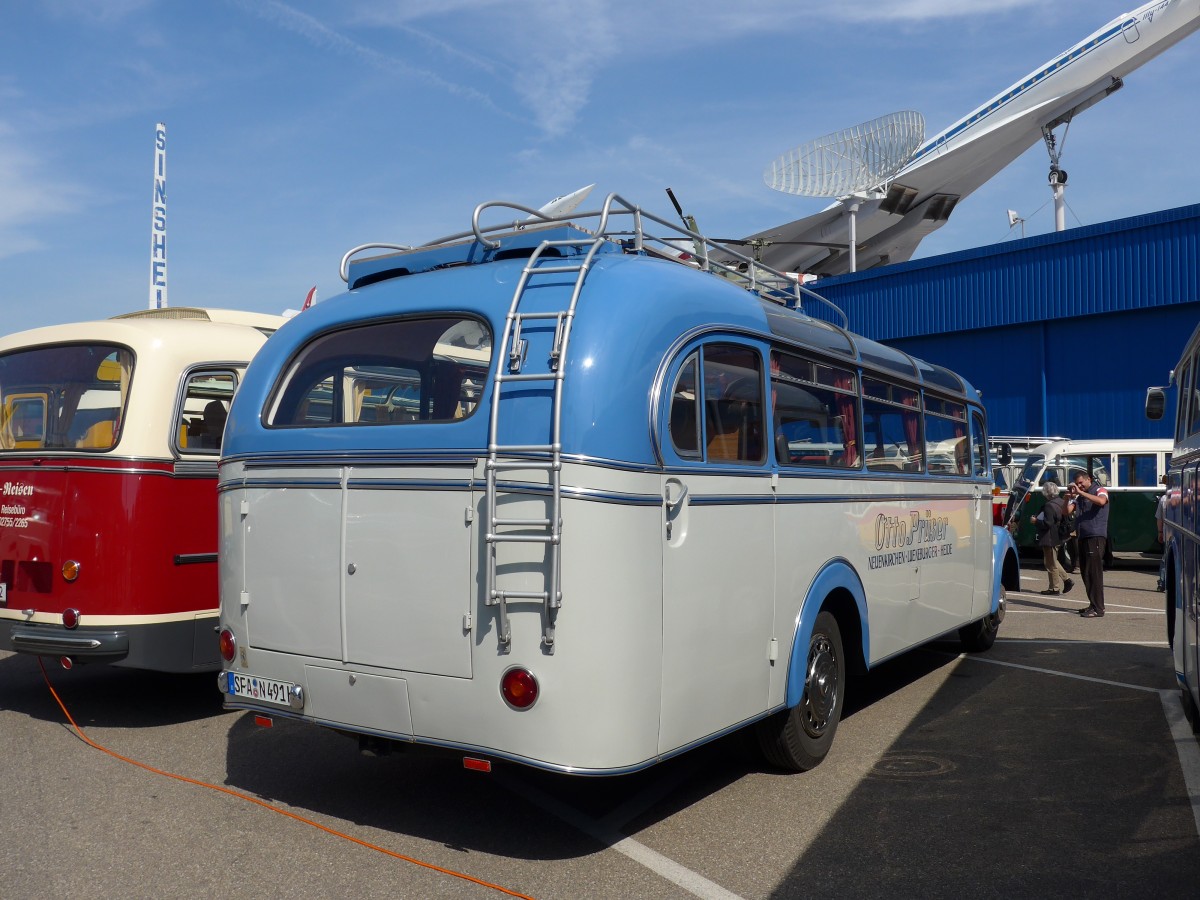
890	223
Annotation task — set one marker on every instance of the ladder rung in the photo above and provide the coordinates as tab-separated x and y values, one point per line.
521	595
553	270
567	242
541	315
520	448
521	539
529	376
528	523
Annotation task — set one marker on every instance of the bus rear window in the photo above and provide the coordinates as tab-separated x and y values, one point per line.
64	397
429	369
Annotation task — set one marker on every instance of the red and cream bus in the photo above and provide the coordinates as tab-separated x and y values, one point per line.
109	437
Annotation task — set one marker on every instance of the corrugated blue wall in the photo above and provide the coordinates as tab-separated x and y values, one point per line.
1061	332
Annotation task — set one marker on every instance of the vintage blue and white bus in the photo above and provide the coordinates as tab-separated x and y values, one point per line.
1181	531
575	498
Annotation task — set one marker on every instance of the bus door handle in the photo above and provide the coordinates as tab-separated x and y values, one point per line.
673	504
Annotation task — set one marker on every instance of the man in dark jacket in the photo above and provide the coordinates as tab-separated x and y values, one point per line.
1050	537
1089	501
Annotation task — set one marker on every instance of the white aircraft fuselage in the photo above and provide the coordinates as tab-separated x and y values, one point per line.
892	221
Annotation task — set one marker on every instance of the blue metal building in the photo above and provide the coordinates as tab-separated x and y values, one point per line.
1061	332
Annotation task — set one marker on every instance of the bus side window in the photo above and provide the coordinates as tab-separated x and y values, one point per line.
815	410
1097	467
946	437
200	422
684	423
1137	469
891	427
733	407
980	447
1189	397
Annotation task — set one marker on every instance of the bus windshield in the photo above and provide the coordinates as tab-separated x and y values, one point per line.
1029	474
63	397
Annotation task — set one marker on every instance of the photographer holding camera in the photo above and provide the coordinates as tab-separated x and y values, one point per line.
1089	501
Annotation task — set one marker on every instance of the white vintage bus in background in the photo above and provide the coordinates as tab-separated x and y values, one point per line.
552	494
109	437
1131	469
1181	545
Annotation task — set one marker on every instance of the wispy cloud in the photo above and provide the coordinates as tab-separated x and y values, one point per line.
553	54
915	11
31	193
95	11
550	56
323	37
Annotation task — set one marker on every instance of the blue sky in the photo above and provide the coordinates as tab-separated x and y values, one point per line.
297	130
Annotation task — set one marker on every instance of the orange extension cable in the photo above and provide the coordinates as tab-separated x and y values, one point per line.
283	812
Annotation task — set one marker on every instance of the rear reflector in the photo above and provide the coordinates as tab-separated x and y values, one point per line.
477	765
264	721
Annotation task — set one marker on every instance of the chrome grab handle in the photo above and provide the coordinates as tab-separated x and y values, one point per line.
672	506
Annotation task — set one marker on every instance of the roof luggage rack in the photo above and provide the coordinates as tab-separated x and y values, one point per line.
483	244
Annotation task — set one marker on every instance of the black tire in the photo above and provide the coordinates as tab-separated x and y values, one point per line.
978	637
1190	711
1170	609
797	739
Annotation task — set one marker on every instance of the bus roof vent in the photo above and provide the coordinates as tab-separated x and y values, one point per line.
170	312
264	322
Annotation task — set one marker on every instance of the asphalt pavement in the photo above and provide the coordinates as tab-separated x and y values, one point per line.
1057	764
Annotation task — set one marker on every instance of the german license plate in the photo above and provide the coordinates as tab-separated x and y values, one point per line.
265	690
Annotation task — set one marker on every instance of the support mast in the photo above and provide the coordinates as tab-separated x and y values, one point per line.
158	222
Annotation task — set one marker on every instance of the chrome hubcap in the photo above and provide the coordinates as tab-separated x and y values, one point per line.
820	687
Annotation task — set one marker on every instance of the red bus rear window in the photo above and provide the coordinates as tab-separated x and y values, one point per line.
63	397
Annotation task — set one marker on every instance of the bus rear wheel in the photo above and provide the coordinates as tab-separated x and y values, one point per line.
798	739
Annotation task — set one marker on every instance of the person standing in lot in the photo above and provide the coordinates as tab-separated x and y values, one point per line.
1088	500
1164	531
1048	524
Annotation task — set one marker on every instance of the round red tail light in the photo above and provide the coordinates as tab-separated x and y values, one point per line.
228	645
519	688
70	618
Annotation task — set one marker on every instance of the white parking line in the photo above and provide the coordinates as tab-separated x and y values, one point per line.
1041	671
1075	612
692	882
1001	640
1080	598
1186	745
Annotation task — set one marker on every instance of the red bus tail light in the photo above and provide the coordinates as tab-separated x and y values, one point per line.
228	645
519	688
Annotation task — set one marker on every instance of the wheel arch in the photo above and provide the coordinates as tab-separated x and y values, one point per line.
838	589
1006	565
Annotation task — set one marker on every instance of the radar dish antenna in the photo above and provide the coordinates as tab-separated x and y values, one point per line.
850	162
864	157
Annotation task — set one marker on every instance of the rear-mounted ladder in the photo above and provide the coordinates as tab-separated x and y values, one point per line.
531	457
